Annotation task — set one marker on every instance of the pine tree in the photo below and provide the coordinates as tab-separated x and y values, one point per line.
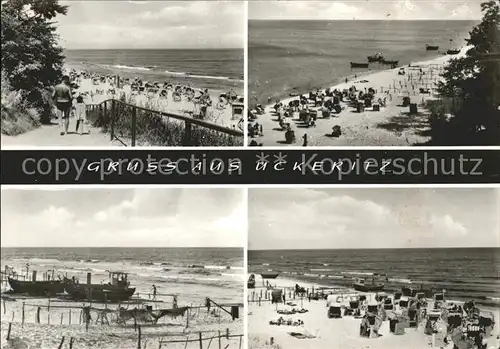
31	57
475	79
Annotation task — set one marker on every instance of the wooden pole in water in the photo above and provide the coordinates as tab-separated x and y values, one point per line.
201	341
70	316
37	318
22	316
8	331
13	315
71	341
186	344
62	317
220	344
241	339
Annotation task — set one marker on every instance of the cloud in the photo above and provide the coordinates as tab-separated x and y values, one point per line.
365	10
447	225
371	218
152	24
141	217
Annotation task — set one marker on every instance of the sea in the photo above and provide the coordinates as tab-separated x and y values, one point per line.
217	69
465	273
302	55
192	273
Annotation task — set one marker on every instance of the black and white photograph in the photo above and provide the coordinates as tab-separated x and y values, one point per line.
122	73
377	268
122	268
374	73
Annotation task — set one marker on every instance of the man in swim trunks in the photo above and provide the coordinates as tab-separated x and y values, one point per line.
64	102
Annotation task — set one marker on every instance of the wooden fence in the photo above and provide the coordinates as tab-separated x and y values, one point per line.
126	123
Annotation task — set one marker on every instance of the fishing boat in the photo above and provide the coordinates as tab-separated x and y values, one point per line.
377	57
117	290
389	62
362	286
431	48
359	65
251	281
270	275
409	291
36	288
453	52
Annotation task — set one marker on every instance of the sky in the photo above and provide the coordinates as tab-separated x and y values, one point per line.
123	24
160	217
366	9
373	218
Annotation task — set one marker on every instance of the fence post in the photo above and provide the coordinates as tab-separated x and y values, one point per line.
61	344
134	124
8	331
22	316
71	341
105	107
220	344
188	133
113	116
139	337
201	341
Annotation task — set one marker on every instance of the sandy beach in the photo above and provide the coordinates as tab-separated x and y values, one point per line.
339	333
218	113
392	125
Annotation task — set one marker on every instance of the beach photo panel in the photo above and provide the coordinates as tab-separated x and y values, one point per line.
122	267
122	73
373	73
383	267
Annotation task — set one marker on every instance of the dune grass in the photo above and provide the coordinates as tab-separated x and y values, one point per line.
154	129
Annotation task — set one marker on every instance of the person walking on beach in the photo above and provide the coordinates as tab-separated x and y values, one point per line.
154	292
80	115
63	100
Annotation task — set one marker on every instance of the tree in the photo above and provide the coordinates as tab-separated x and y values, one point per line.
31	56
475	79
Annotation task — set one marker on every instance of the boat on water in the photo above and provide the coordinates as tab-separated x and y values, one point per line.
377	57
117	290
362	286
359	65
453	52
36	288
270	275
390	62
251	281
431	48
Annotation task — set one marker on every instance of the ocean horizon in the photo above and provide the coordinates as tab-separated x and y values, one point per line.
218	69
475	270
190	272
299	56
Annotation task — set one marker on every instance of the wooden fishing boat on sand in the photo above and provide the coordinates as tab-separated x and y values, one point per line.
36	288
359	65
117	290
270	275
453	52
362	286
431	48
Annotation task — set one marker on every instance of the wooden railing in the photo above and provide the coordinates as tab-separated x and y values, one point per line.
130	124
